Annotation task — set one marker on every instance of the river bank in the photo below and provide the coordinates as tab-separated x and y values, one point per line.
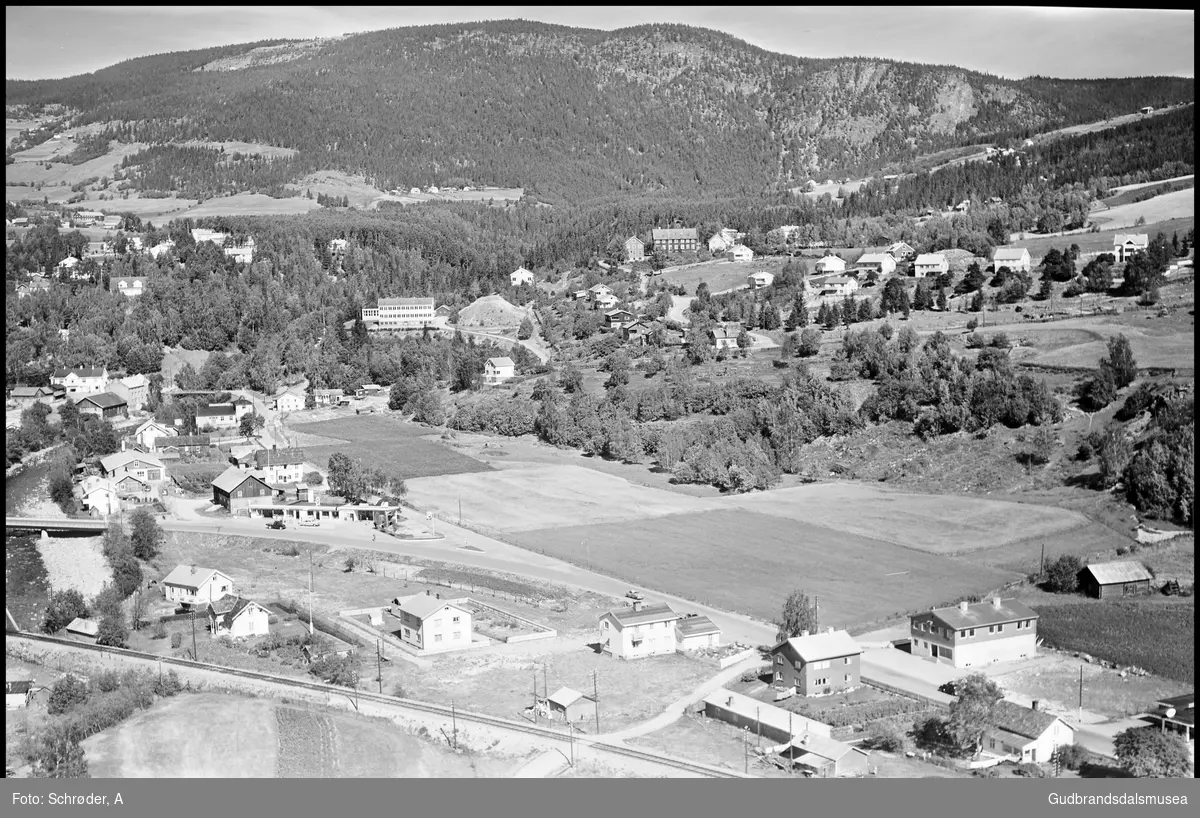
75	562
30	459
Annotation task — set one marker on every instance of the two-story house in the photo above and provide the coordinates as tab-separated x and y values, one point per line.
881	263
236	489
1126	244
144	467
639	631
430	623
675	240
817	664
148	434
520	276
135	389
237	617
830	264
1016	259
970	635
80	380
216	416
498	370
930	264
635	249
280	465
193	585
616	319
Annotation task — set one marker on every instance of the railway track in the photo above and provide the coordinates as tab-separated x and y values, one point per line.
427	708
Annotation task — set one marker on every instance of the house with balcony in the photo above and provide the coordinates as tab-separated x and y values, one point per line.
971	635
639	631
1126	244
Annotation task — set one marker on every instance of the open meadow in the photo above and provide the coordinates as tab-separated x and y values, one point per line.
1102	240
383	442
1180	204
749	562
720	274
1166	341
214	735
250	204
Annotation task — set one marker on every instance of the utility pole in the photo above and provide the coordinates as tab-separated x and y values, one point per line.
758	721
1042	564
535	702
546	680
311	631
454	724
571	739
1081	693
196	656
746	749
460	509
596	698
378	666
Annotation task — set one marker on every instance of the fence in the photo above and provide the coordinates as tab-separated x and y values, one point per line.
542	631
932	704
323	624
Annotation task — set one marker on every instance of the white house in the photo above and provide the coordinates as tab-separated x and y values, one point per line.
280	465
237	617
882	263
930	264
241	253
740	252
643	630
145	467
287	402
757	281
831	264
901	250
66	265
433	624
160	248
1015	259
149	432
135	389
80	380
521	276
193	585
635	249
599	291
719	243
1126	244
694	631
839	285
399	314
1025	734
201	234
217	415
725	337
974	634
99	496
498	370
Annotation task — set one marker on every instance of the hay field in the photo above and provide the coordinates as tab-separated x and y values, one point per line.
1101	242
544	496
1142	185
1157	342
250	204
936	523
749	562
1180	204
26	169
721	275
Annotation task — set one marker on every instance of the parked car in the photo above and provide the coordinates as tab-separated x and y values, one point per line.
310	522
277	524
635	594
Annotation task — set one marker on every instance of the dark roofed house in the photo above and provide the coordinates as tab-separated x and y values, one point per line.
237	617
235	489
675	240
973	634
643	630
1105	580
103	405
188	443
693	632
26	396
1025	734
817	664
570	705
1177	713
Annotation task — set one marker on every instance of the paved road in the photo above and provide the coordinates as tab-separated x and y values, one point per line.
542	354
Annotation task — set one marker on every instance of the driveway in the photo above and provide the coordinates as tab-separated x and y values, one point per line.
908	672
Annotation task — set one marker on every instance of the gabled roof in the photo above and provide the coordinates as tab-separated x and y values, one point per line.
930	258
82	372
233	477
423	606
821	746
215	410
228	608
17	688
191	576
611	313
1138	239
565	696
1022	721
242	400
600	288
726	332
520	270
634	238
628	617
840	280
86	627
500	362
278	457
661	234
189	440
1109	573
135	381
875	258
981	614
696	626
104	400
819	646
116	461
31	391
1010	254
1185	702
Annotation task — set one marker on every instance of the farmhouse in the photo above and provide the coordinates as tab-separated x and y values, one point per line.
280	465
327	397
80	381
217	416
99	496
86	218
570	705
135	389
1025	734
616	319
725	337
817	664
739	252
149	432
830	264
26	396
35	284
17	694
824	757
773	723
243	252
1015	259
1105	580
234	490
694	631
970	635
839	285
104	405
645	333
129	286
1177	713
193	585
498	370
757	281
287	401
1126	244
399	314
901	251
635	249
145	467
881	263
67	265
431	623
87	628
930	264
599	291
237	617
633	633
675	240
520	276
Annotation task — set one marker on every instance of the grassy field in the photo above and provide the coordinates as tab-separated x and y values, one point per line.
709	741
212	735
250	204
1122	189
748	562
1101	242
721	274
1129	193
1181	204
1101	125
1157	341
26	169
1157	634
384	443
939	524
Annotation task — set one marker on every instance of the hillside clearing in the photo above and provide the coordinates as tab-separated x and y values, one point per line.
1179	204
250	204
382	443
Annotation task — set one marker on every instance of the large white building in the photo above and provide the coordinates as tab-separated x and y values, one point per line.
639	631
971	635
399	314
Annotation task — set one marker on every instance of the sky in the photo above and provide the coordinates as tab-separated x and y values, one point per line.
44	42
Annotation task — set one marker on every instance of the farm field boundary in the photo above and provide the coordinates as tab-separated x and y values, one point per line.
384	443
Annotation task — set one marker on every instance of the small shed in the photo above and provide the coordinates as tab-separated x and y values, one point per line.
824	757
571	705
17	694
79	626
1105	580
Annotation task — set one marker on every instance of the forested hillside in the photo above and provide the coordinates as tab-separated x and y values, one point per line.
568	114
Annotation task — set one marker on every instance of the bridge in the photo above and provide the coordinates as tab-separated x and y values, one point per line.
95	525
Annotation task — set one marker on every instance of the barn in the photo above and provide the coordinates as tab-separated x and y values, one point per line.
1105	580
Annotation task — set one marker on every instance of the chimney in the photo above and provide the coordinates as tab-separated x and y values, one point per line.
804	633
122	444
637	605
962	606
274	447
996	602
437	596
428	592
730	702
1034	705
830	630
193	569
